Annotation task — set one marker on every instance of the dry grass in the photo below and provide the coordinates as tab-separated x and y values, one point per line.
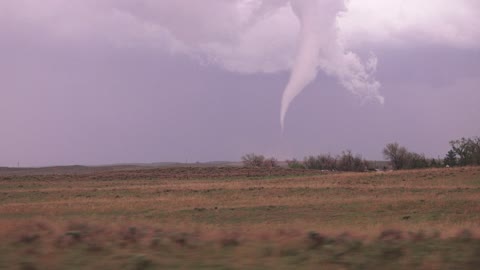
181	217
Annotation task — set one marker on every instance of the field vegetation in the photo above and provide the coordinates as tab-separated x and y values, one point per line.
240	218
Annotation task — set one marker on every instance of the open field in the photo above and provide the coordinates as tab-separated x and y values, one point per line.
238	218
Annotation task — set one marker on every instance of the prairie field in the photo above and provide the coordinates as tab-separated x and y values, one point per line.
239	218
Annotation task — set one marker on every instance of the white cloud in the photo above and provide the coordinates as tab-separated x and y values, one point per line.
412	23
244	35
252	36
320	47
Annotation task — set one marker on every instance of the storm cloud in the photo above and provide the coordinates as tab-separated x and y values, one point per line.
60	58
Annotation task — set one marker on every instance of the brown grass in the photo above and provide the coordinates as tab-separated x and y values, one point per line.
240	210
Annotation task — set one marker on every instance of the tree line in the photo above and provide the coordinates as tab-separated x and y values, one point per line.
347	161
463	152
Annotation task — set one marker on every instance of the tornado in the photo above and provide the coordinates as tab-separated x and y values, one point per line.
319	48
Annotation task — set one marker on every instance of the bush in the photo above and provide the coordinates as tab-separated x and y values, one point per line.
401	158
416	161
321	162
259	161
349	163
270	163
253	160
295	164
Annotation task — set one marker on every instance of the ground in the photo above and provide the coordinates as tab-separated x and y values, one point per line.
238	218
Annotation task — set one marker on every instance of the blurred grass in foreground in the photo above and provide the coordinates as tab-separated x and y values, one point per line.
233	218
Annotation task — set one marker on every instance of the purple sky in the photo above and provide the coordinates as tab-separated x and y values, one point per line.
101	82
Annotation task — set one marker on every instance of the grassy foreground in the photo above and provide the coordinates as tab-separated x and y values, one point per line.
237	218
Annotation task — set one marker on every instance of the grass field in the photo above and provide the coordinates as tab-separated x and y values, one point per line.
238	218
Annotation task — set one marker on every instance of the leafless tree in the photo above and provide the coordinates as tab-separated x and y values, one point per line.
295	164
350	163
321	162
397	155
253	160
467	150
270	163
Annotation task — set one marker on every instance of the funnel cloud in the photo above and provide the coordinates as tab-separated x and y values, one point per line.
320	48
119	81
261	36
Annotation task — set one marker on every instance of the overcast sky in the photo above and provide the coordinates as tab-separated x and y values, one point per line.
117	81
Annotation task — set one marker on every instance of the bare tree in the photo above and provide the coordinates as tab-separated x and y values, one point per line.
416	161
270	163
252	160
397	155
295	164
467	150
321	162
350	163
